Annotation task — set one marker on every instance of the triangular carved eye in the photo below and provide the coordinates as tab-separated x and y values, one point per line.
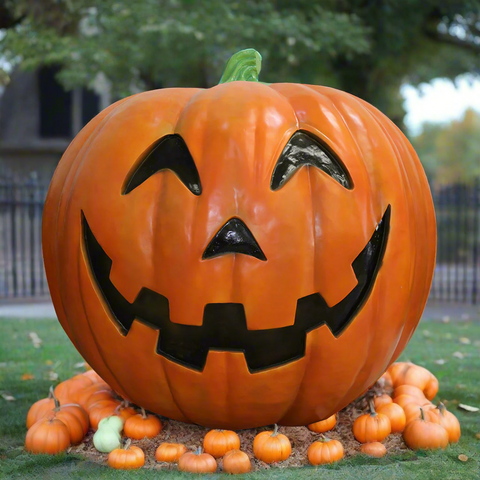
168	153
304	149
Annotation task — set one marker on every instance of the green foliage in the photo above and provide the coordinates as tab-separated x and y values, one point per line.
366	48
450	152
432	341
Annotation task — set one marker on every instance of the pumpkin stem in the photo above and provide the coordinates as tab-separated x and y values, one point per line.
323	438
442	408
244	65
198	451
275	431
127	444
144	415
422	415
51	394
371	405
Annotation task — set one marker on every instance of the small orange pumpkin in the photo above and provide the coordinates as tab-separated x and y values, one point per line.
39	409
374	449
89	394
421	434
236	462
48	435
404	373
404	400
396	415
411	390
412	411
197	462
100	410
142	425
382	400
218	442
324	451
371	427
448	421
128	458
169	452
69	390
270	447
94	376
73	416
323	425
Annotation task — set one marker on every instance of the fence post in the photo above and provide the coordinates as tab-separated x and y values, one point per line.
476	239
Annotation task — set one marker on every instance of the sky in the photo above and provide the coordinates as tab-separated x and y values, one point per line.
440	101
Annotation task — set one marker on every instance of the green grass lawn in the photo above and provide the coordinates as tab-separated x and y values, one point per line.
432	344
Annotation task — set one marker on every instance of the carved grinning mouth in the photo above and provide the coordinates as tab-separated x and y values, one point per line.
224	325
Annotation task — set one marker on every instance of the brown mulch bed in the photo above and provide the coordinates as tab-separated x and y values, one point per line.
300	437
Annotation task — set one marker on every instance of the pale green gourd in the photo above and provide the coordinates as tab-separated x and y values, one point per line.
107	437
114	422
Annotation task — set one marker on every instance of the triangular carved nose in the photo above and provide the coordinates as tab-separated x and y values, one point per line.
234	237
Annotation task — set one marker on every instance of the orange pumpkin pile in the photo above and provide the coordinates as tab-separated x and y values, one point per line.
64	417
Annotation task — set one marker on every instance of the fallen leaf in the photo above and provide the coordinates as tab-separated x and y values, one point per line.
440	361
462	457
446	319
458	355
460	386
477	435
8	397
79	365
464	340
48	362
36	340
468	408
52	375
27	376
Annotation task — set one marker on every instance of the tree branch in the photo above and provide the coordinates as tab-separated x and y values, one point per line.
450	39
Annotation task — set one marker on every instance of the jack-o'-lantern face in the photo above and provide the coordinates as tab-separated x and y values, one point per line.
243	255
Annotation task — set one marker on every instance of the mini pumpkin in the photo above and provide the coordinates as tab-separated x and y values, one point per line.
410	390
39	409
421	434
236	462
218	442
128	458
107	438
412	411
323	425
234	218
169	452
371	427
142	425
448	421
271	446
395	414
374	449
325	451
69	390
197	462
405	373
403	400
100	410
382	400
48	435
94	393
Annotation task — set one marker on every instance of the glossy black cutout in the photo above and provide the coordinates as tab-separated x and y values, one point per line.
224	325
170	152
234	237
305	149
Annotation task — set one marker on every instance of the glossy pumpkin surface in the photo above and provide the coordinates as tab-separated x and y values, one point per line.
169	452
107	233
218	442
271	446
325	451
323	425
129	458
197	462
48	435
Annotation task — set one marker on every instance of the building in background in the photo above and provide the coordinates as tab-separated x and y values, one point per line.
38	120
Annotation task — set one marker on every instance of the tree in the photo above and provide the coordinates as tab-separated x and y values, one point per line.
366	47
450	152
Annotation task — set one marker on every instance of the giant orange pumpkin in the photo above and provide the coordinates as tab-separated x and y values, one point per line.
243	255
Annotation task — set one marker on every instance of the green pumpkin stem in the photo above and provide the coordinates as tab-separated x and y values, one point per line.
422	415
51	394
371	404
244	65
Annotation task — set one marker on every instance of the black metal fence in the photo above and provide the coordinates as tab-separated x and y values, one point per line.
21	261
457	273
